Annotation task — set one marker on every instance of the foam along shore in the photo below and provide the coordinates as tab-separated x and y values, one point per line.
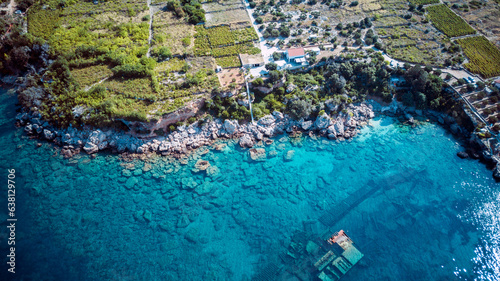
340	126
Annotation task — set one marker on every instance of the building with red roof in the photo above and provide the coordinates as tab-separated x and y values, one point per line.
295	53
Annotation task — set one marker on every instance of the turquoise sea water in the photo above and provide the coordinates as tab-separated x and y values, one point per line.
433	216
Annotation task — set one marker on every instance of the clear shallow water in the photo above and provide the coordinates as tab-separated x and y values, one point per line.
434	217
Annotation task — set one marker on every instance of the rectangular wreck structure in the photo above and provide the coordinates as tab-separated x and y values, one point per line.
341	256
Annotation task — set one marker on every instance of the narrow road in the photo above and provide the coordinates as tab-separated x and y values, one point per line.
148	54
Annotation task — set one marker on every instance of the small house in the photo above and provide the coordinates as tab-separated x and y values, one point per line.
296	54
315	50
250	61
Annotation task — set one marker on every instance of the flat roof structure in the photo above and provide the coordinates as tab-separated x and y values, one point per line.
251	59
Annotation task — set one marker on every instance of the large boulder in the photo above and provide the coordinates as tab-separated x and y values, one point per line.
48	134
230	126
90	148
267	120
322	122
246	141
305	125
339	126
97	137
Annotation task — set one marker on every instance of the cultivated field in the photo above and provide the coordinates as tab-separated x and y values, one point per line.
483	16
448	22
225	44
484	57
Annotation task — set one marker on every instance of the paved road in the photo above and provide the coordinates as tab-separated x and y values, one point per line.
266	50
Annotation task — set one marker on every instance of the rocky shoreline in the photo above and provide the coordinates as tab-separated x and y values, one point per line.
187	138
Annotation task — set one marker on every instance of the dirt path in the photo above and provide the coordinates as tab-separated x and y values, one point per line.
90	87
10	8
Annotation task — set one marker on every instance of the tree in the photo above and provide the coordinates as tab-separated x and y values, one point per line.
20	56
271	66
338	82
274	76
470	87
420	100
277	56
300	108
259	20
162	53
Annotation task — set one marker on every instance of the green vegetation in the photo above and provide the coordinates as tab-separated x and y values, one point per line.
484	57
109	40
424	2
228	61
448	22
42	22
191	8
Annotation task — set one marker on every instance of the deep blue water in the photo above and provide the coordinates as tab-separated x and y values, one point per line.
434	217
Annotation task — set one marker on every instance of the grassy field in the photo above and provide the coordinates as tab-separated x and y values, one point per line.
448	22
484	57
89	75
225	12
173	32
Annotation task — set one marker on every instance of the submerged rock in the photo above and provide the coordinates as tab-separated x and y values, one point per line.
258	154
131	183
289	155
201	165
463	154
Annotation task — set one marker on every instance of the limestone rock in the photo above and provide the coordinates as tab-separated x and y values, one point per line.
322	122
90	148
246	141
306	125
48	134
230	126
267	120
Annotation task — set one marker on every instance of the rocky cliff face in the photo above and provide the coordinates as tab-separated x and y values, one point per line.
149	128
